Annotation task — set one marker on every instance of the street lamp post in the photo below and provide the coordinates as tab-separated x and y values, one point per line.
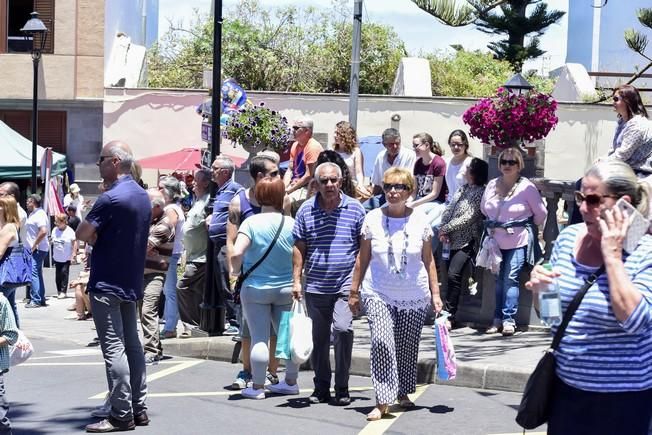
35	28
212	310
518	83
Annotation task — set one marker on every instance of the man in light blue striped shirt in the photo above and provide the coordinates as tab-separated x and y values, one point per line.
326	241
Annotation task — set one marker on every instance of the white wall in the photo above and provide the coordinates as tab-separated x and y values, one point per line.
158	121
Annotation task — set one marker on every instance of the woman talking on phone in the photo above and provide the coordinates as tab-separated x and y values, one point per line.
604	360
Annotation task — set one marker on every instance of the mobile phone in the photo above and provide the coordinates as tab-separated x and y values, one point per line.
638	225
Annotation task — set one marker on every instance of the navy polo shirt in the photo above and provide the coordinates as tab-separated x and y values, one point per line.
121	217
223	197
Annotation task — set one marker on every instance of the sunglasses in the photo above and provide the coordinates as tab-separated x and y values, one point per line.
295	128
102	158
399	187
325	180
616	98
504	162
592	199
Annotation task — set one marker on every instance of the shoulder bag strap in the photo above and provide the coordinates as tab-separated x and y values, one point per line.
269	249
572	307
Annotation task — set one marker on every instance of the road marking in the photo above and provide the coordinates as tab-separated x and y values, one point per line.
231	393
380	426
95	363
75	352
160	374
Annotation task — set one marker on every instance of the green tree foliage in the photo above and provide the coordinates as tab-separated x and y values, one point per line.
474	74
286	49
637	41
513	22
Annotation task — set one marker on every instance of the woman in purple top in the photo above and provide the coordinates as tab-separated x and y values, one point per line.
429	171
513	207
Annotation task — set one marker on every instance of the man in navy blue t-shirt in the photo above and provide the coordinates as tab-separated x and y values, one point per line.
117	226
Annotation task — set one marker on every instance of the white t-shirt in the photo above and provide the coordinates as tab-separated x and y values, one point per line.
62	242
77	202
411	289
36	220
178	229
404	159
349	159
455	176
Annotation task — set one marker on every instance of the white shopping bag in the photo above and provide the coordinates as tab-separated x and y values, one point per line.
21	350
300	333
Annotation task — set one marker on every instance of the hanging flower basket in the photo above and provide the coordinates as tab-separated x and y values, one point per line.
508	119
256	127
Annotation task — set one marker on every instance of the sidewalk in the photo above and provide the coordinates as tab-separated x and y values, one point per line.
484	361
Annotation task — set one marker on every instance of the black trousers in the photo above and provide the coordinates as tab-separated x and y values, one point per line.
221	276
459	271
61	275
580	412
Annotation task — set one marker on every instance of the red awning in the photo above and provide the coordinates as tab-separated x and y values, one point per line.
186	159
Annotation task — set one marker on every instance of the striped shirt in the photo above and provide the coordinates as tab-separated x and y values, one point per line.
599	353
223	197
332	243
8	330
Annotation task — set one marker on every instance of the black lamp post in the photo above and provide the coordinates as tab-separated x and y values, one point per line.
35	28
518	83
212	311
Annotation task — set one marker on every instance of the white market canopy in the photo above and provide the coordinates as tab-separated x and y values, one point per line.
16	155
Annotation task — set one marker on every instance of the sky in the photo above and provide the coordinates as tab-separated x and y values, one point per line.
419	30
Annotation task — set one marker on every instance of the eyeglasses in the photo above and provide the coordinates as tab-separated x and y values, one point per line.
456	144
504	162
325	180
416	145
399	187
101	159
296	127
616	98
592	199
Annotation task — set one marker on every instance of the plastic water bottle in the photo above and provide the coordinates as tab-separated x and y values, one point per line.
549	302
446	251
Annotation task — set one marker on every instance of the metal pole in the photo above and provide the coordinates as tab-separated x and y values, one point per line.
354	82
36	57
212	312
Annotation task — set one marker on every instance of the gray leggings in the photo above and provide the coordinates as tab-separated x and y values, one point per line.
262	307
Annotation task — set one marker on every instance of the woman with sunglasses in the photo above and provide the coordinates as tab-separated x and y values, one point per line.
396	278
456	165
514	208
604	360
429	171
461	227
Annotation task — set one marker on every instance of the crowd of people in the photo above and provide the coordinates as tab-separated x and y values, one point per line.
342	244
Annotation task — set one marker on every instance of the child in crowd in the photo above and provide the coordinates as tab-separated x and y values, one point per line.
8	337
64	250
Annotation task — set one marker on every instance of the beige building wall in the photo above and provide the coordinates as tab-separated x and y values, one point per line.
158	121
75	69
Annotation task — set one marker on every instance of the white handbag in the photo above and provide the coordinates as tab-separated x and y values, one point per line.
300	333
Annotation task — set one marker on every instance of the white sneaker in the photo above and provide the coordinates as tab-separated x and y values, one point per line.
283	388
251	393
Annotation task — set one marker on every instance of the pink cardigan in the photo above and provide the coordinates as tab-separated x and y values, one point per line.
525	202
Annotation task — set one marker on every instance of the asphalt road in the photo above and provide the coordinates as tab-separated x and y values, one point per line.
54	392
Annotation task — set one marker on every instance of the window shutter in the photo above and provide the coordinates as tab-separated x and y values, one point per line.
45	9
52	130
18	120
3	26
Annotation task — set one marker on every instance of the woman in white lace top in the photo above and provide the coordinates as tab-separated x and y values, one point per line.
396	278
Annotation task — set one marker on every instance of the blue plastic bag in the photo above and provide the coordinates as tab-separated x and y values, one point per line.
283	337
446	361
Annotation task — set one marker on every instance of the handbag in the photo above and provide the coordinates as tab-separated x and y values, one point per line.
244	276
16	266
446	361
300	333
283	337
21	350
534	409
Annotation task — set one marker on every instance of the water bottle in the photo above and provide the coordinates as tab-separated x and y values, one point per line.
549	302
446	251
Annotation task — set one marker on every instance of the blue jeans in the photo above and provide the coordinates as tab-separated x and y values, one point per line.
171	310
37	293
507	284
10	294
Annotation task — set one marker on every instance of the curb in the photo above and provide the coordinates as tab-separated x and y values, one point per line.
469	375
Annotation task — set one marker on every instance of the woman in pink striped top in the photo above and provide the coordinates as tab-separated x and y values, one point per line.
513	207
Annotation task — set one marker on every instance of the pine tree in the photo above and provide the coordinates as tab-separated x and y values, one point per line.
513	21
637	41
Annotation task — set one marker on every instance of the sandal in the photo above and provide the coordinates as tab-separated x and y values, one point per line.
378	412
405	402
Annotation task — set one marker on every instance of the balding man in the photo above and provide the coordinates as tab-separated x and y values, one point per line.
118	226
303	158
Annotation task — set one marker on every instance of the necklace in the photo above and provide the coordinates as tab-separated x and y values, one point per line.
393	267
